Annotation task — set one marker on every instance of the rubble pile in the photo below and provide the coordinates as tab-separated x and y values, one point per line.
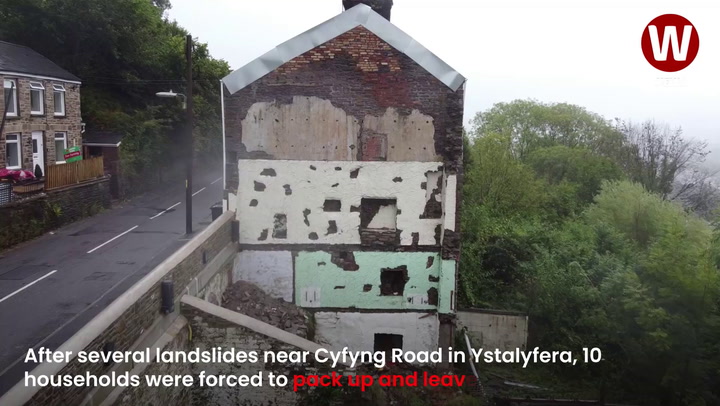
246	298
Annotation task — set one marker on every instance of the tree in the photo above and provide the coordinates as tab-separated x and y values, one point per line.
697	190
578	166
657	155
530	124
124	52
497	180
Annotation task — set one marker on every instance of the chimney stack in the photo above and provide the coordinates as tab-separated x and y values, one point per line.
381	7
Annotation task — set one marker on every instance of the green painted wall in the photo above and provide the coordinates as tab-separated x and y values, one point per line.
315	270
447	286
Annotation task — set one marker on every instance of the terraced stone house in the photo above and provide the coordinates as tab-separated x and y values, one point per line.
41	102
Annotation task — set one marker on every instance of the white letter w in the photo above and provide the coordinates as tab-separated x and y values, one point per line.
670	39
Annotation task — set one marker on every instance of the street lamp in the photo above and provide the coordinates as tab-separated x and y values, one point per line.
172	94
188	107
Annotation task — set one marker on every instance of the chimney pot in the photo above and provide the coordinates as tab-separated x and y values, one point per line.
381	7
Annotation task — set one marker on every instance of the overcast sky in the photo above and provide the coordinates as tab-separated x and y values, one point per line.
552	51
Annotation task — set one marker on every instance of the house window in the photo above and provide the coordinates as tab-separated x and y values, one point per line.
59	99
11	90
37	97
12	151
60	147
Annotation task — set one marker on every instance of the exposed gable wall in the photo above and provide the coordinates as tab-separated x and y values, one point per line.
365	85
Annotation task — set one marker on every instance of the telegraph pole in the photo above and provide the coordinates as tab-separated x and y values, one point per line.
189	111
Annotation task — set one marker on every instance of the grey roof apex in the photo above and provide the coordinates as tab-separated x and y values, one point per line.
360	15
22	60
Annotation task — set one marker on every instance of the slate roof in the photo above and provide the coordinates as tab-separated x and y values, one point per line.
102	138
23	60
360	15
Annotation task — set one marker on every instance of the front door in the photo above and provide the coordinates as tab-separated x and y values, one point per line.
38	151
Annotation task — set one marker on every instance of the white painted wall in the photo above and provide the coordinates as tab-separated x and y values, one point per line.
357	330
331	180
271	271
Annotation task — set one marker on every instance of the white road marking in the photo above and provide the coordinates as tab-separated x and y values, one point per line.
111	240
216	181
27	286
198	191
165	211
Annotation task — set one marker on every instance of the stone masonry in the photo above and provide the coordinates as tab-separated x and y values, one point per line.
25	123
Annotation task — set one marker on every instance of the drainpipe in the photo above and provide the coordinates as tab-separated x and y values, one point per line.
7	104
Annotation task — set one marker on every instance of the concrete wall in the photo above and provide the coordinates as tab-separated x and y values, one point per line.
299	190
320	282
357	330
271	271
27	219
491	330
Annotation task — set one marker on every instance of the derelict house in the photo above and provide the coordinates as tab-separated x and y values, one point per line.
344	162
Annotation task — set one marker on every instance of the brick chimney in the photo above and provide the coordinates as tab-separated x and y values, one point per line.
381	7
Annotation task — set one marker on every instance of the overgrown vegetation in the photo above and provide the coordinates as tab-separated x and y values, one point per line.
569	218
125	52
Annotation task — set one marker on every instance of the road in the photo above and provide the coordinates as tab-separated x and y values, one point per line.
52	286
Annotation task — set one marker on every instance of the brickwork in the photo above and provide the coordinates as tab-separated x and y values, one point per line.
124	331
27	219
25	122
363	75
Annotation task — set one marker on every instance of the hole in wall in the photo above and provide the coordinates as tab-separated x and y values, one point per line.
332	205
306	213
263	235
344	260
387	342
332	227
432	296
378	214
393	280
280	226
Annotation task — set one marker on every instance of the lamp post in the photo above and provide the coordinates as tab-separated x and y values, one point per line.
188	106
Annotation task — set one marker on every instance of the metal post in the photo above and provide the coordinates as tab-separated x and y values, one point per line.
189	111
222	114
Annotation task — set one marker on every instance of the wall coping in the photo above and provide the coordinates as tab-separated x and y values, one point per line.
493	311
20	394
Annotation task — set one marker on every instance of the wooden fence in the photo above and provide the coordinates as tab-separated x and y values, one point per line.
73	172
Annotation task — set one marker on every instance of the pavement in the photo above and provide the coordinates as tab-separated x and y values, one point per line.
50	287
